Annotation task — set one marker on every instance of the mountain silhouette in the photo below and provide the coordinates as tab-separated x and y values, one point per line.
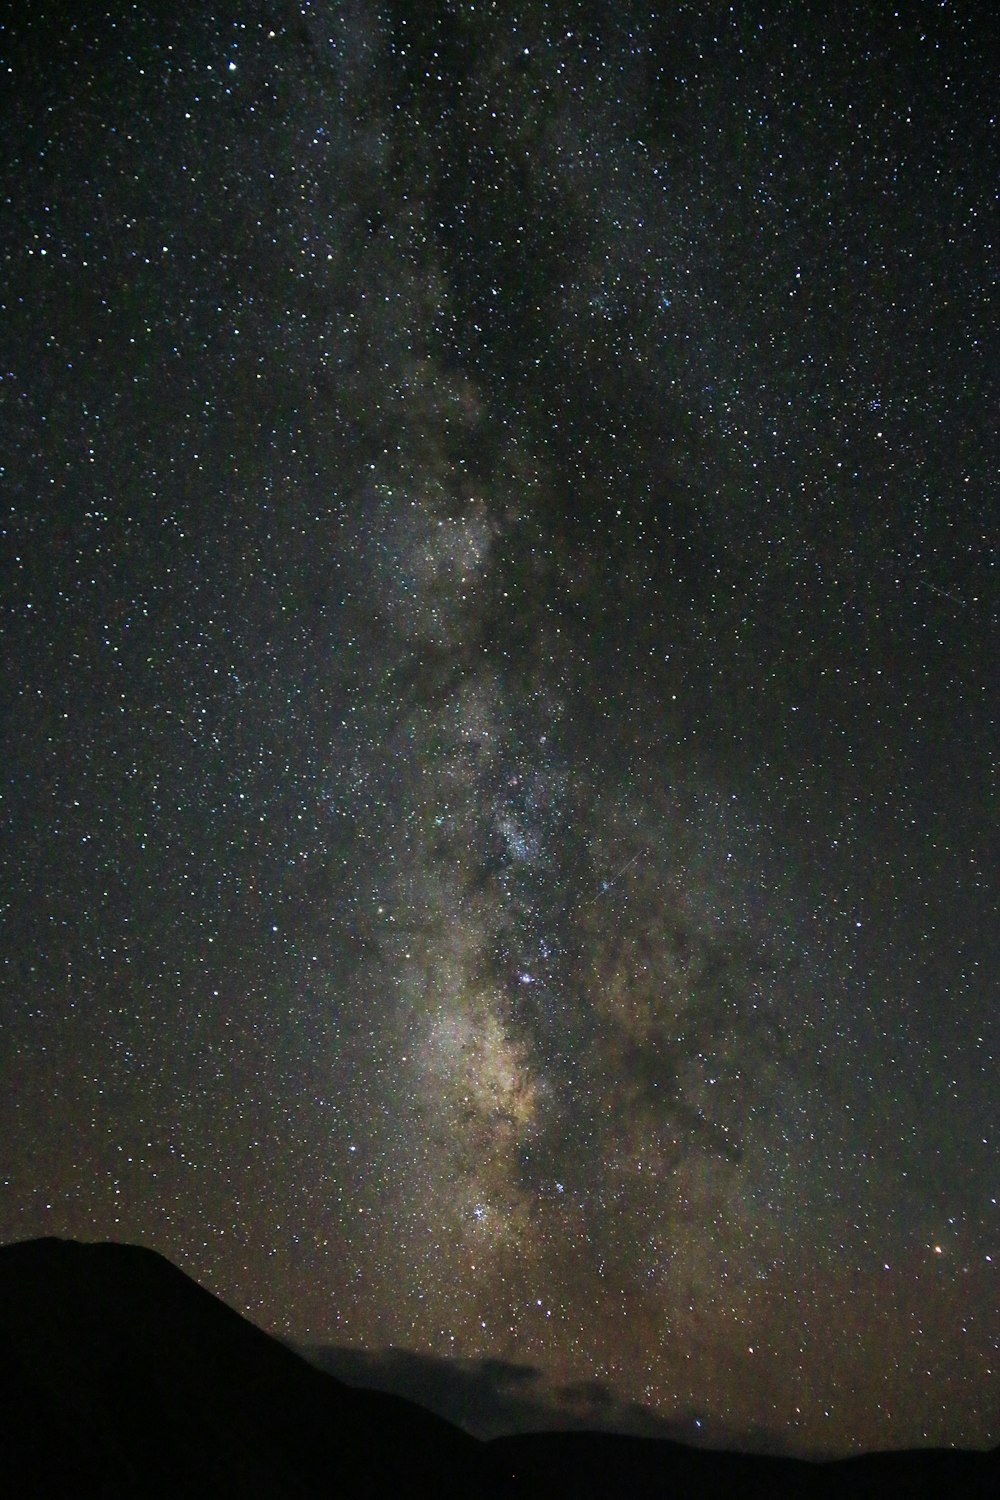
121	1378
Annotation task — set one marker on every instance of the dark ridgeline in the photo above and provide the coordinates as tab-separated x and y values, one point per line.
124	1378
121	1378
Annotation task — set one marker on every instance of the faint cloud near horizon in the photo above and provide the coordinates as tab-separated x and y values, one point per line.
492	1398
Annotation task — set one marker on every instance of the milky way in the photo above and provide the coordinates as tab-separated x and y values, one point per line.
501	610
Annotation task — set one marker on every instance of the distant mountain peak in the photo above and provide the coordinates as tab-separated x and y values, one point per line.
121	1378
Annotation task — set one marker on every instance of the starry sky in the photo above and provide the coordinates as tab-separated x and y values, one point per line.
498	757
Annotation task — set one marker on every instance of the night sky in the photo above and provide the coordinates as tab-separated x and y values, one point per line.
500	684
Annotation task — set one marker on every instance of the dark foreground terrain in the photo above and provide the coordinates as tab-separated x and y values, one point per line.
120	1377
